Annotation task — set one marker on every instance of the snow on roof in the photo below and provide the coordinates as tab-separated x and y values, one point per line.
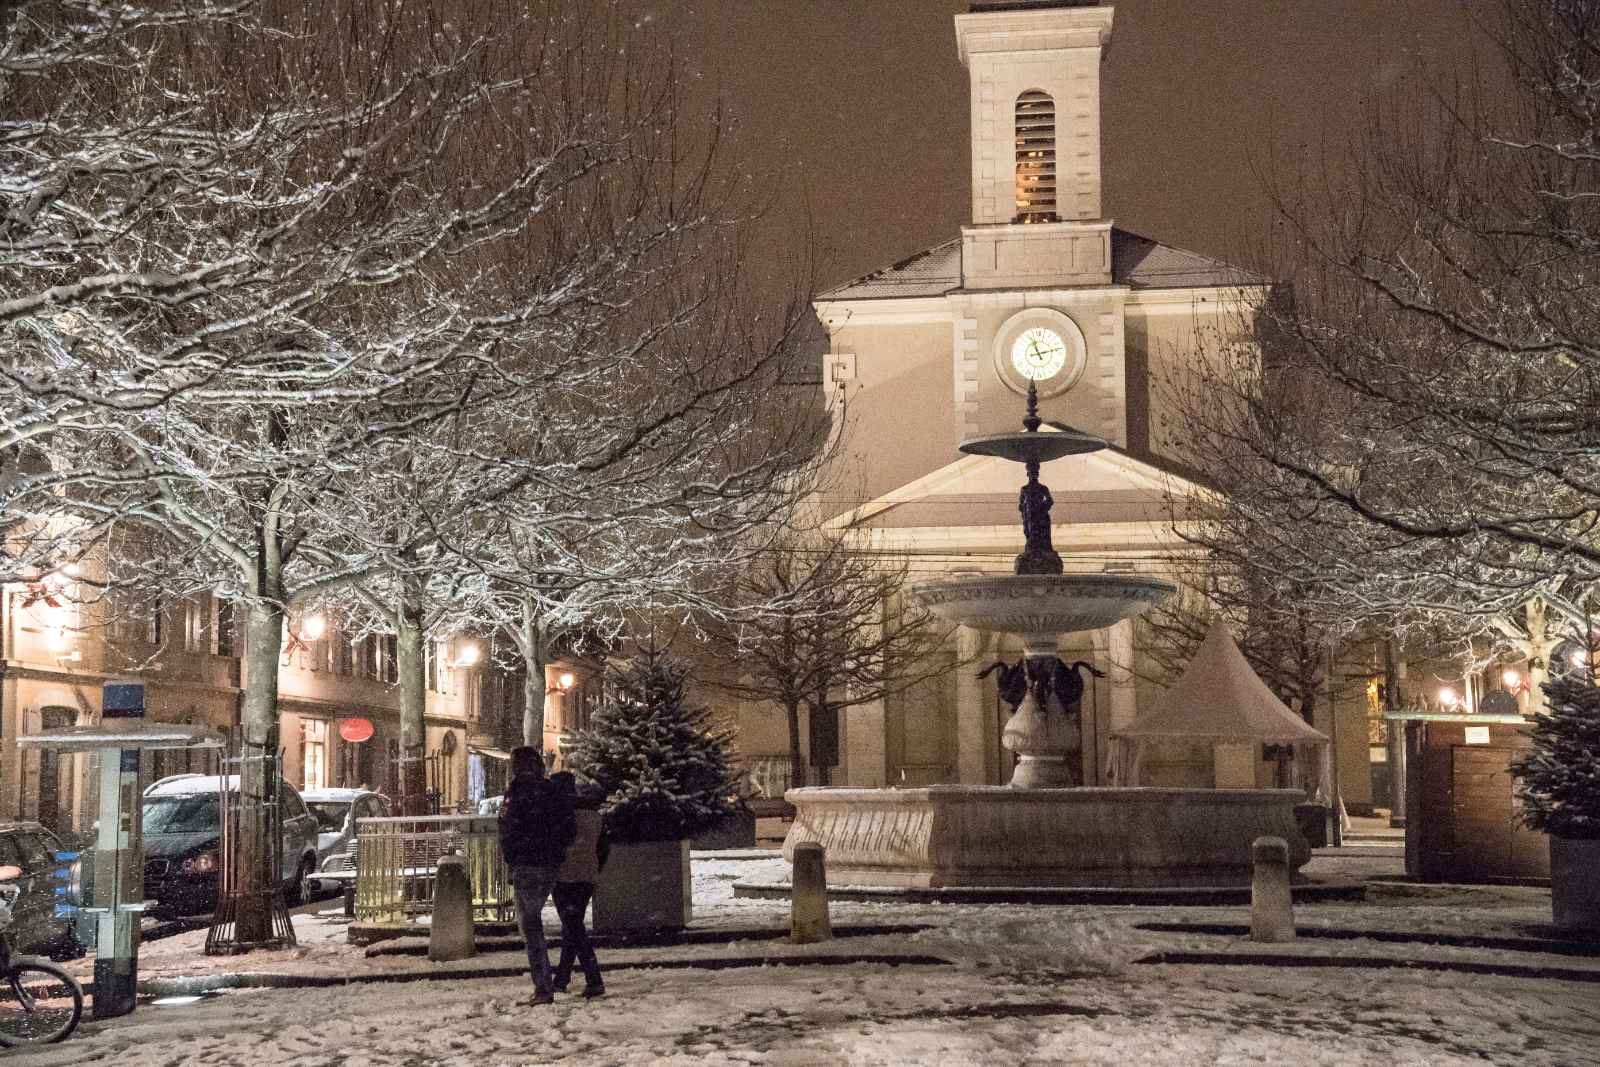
1220	698
1137	262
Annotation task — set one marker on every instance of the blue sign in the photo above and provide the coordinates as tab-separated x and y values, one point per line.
122	700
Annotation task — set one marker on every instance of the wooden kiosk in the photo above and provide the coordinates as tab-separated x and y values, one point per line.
1461	801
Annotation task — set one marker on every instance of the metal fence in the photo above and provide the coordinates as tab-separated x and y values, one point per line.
397	860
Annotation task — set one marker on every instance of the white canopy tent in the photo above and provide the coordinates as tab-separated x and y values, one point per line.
1220	699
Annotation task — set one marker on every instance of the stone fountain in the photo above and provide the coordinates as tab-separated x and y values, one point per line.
1039	603
1043	829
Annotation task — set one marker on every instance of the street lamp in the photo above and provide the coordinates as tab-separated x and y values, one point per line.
466	656
1448	698
1512	680
312	627
566	680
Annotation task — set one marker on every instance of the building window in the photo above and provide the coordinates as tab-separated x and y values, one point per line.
314	753
222	627
390	656
194	625
430	664
342	654
154	627
1036	157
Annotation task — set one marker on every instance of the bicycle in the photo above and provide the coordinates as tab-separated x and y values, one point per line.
39	1002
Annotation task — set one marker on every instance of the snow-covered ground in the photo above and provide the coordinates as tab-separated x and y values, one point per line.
1054	985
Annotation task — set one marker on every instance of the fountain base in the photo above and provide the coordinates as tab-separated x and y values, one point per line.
961	835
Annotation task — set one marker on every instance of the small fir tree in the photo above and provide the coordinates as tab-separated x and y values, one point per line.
1561	777
664	766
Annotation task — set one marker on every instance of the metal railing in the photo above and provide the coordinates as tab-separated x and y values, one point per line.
397	860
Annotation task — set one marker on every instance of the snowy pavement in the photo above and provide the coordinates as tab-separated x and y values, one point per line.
1052	985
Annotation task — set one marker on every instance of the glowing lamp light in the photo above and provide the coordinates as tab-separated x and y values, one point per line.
1511	679
467	655
1448	697
566	680
312	627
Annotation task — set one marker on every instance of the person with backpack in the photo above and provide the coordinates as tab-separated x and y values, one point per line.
575	885
536	826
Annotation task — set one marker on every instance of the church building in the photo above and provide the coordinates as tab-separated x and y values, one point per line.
940	347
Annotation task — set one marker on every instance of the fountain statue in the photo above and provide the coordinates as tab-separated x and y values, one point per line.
1044	828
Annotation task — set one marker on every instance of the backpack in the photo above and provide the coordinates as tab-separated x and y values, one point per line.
536	825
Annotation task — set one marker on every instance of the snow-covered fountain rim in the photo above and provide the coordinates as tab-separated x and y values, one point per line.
1012	794
1040	585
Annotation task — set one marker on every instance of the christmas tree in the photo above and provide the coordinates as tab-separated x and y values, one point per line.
663	765
1561	777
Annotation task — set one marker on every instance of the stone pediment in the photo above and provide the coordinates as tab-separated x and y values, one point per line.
1102	487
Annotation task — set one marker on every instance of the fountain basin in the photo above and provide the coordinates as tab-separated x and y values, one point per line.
1039	605
965	835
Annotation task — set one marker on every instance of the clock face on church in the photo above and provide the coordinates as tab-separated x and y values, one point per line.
1038	353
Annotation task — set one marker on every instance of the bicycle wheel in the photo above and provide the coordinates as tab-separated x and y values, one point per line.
39	1003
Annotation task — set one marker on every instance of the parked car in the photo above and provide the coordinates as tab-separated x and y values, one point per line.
37	926
182	823
336	812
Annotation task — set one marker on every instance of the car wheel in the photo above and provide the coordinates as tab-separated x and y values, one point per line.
299	889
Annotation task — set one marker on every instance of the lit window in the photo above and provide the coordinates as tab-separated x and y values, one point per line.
1036	157
315	753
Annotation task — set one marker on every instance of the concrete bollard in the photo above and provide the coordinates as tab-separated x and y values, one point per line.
1271	905
808	896
450	936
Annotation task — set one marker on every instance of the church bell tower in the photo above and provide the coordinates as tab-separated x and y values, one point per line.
1035	82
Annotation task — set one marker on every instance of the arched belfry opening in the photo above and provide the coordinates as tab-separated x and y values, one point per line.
1036	157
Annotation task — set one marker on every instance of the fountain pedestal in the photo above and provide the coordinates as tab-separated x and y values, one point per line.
1048	740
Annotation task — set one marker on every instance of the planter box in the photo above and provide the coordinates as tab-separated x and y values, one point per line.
644	886
735	831
1575	884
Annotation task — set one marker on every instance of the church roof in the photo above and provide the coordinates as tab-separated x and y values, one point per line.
1220	698
1136	262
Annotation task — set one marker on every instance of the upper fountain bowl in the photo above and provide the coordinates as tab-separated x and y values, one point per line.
1040	605
1026	447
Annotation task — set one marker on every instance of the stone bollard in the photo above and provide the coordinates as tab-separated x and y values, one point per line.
1271	905
808	896
450	936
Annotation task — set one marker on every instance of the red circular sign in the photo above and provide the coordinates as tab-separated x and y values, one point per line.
355	730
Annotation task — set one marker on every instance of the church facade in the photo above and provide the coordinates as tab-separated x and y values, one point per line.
940	347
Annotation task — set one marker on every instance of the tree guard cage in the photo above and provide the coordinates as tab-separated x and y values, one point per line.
254	881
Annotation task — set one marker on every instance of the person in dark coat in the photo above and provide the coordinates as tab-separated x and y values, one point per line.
536	826
575	885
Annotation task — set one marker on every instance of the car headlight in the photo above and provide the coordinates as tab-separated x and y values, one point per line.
205	863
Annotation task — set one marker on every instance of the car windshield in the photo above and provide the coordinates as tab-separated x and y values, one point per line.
193	814
330	814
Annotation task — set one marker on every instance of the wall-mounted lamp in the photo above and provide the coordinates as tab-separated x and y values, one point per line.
466	657
1512	680
1448	698
312	627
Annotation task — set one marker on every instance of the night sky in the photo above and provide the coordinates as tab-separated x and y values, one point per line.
859	107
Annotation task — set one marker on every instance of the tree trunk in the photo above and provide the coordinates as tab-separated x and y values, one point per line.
263	644
412	669
533	641
797	766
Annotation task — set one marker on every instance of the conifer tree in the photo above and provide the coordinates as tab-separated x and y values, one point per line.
1560	779
663	765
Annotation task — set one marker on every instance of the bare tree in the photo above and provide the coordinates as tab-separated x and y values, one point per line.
1418	422
825	626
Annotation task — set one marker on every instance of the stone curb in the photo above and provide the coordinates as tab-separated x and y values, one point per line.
1370	963
1548	946
190	985
671	939
1311	892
